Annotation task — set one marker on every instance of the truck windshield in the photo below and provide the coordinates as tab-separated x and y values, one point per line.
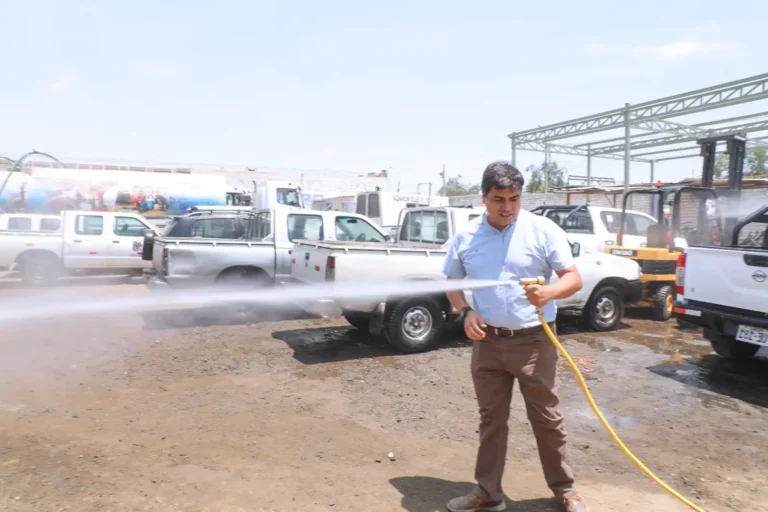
169	227
288	197
635	224
354	229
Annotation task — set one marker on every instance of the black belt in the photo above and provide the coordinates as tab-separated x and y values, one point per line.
503	332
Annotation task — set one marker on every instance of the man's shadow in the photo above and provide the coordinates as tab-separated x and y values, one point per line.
427	494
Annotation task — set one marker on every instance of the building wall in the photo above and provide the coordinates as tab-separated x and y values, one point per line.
532	200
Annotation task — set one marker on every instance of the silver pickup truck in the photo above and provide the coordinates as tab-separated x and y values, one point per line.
260	256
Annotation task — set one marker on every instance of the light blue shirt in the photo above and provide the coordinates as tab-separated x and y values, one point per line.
531	246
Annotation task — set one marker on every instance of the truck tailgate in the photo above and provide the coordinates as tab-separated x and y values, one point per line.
727	276
158	256
364	262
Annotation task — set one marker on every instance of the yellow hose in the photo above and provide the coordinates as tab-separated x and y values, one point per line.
599	415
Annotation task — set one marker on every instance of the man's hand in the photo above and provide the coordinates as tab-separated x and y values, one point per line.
538	294
474	326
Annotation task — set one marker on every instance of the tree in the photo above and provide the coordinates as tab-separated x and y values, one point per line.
536	173
456	187
756	163
721	166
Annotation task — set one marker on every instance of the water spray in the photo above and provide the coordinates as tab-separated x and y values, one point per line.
553	338
65	303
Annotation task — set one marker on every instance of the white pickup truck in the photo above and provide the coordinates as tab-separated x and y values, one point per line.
416	323
724	289
85	241
595	227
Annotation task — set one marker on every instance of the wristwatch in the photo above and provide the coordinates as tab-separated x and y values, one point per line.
464	311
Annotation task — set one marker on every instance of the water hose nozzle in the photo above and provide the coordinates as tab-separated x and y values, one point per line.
525	281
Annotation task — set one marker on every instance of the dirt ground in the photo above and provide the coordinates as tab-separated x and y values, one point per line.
193	410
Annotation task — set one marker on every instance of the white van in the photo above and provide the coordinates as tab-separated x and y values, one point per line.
384	208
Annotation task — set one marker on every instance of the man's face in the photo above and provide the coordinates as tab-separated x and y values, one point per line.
502	206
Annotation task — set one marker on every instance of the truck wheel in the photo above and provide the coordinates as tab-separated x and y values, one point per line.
730	348
605	309
359	322
663	301
414	325
241	279
39	269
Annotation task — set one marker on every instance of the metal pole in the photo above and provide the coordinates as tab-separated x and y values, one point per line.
589	164
627	138
442	174
652	170
546	168
514	151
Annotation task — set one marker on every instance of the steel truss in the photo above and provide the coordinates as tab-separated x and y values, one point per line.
654	119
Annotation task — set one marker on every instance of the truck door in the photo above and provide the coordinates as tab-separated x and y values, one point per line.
127	239
85	243
299	226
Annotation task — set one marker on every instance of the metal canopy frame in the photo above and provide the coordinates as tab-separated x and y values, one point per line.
654	118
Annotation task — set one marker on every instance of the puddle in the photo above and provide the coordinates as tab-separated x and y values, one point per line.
313	340
728	380
661	337
711	401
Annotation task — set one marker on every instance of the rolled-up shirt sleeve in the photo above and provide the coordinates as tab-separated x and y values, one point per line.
452	266
559	255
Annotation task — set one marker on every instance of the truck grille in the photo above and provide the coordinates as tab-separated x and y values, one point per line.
657	267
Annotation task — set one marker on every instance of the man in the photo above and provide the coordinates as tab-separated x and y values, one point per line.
509	343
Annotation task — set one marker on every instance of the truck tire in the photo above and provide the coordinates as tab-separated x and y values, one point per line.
39	269
359	322
414	325
729	347
663	300
605	309
148	246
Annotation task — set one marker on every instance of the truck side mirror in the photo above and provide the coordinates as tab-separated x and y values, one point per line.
388	238
575	249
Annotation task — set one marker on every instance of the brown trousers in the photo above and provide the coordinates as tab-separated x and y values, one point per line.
531	359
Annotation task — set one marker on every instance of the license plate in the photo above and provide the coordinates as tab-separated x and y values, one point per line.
751	334
623	252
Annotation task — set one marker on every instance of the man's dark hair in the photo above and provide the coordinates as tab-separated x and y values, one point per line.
501	176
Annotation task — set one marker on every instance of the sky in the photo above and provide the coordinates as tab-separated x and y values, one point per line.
407	86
